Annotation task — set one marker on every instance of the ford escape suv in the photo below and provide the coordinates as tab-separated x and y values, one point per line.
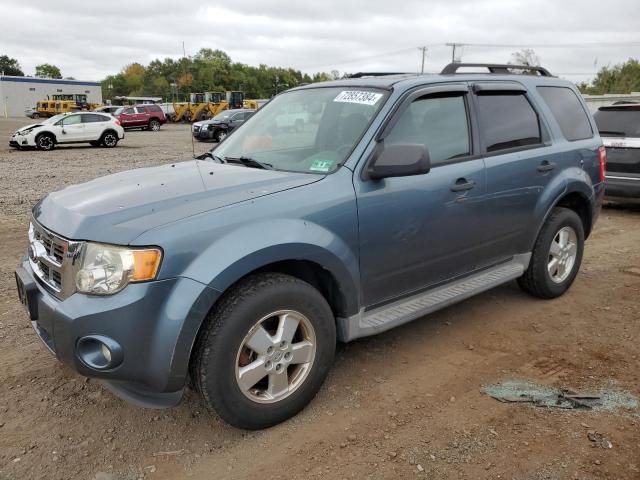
238	271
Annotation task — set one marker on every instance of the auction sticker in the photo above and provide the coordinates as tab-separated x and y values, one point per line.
321	165
358	96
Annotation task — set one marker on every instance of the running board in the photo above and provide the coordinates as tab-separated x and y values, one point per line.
383	318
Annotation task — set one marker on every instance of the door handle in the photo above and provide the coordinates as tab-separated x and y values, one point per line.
546	166
462	184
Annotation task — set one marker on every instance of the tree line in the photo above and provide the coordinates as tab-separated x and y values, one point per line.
207	71
213	71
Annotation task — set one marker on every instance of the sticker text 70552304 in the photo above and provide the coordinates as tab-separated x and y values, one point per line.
358	96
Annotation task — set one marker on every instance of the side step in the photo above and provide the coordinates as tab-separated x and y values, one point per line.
383	318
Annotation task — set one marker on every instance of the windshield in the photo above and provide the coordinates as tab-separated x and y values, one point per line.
222	116
311	130
54	119
618	122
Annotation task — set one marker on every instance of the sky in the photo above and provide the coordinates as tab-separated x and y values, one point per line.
91	39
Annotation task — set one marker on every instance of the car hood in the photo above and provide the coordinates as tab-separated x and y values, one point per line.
120	207
27	127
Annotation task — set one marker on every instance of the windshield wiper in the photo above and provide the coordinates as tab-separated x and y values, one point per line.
210	155
249	162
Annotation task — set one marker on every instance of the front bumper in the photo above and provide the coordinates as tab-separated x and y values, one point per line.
203	134
154	323
18	141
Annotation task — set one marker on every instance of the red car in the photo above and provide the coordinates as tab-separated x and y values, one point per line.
146	117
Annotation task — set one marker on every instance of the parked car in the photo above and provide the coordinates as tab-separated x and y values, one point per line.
241	268
98	129
145	117
110	109
619	127
32	113
221	125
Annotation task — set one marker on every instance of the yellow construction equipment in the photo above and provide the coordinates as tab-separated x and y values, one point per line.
202	106
62	103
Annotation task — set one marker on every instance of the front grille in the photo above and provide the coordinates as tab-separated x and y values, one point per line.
51	257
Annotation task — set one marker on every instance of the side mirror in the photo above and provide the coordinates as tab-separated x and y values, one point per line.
401	160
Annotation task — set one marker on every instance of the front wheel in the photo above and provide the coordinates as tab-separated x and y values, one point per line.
220	135
45	141
556	256
265	351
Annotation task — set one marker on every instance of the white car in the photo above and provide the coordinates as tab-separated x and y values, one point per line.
98	129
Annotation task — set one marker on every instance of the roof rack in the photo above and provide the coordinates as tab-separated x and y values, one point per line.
496	68
375	74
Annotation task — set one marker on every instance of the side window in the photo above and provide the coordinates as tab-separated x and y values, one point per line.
93	118
238	116
140	110
71	120
568	111
507	120
154	108
129	111
438	122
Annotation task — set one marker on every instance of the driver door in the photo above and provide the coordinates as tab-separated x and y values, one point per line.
421	230
72	129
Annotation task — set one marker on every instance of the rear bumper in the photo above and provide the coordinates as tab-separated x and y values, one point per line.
154	324
621	186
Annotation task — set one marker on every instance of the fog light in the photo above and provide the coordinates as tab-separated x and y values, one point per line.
99	352
106	353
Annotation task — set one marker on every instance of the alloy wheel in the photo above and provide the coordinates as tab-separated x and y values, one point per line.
562	254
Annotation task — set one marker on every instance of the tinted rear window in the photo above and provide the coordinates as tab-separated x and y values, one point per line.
618	122
507	120
568	111
154	108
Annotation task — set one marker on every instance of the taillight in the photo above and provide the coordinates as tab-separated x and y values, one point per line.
602	160
117	121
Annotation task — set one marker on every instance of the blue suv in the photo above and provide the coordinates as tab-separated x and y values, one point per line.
238	271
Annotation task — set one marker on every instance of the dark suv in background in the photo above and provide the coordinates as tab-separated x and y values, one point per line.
401	195
619	126
221	125
145	117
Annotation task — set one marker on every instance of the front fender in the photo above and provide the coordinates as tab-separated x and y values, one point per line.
258	244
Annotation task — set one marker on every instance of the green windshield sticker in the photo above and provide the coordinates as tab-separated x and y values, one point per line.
321	165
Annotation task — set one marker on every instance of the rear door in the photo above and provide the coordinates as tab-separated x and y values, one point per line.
93	125
142	116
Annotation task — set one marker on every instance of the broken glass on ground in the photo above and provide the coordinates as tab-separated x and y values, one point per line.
522	391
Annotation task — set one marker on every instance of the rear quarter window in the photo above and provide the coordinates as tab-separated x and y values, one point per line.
568	112
154	108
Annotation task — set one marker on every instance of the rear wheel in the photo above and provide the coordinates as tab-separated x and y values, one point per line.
109	139
45	141
265	351
154	125
557	255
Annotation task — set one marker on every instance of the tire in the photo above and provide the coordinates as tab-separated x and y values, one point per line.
543	278
154	125
219	135
35	116
221	350
45	142
109	139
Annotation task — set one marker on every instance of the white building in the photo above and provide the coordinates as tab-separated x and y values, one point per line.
20	93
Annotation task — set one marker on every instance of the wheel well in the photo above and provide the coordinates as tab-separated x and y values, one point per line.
579	204
52	135
109	130
315	275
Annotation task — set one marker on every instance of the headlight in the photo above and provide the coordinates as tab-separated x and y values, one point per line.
107	269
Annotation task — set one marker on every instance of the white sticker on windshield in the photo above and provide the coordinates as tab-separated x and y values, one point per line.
357	96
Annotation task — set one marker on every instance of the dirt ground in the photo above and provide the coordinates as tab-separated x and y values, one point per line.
406	404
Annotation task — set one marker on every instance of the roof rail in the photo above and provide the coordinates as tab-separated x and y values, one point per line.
375	74
496	68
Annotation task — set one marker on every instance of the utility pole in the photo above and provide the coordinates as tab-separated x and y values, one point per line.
453	50
424	54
